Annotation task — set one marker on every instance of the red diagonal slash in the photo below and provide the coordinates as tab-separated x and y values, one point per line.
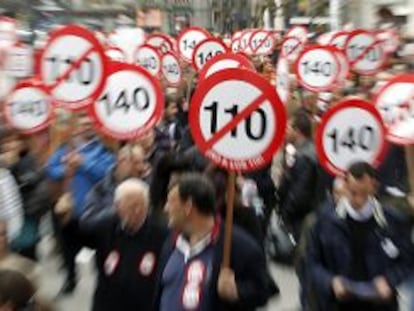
234	122
73	66
263	42
294	48
364	52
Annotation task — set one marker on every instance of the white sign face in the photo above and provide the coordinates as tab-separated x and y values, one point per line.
389	39
396	105
131	103
207	50
262	42
339	40
317	69
350	134
298	32
8	32
19	62
28	108
116	55
188	40
364	53
282	80
236	46
148	57
325	38
291	48
73	66
171	69
245	42
160	42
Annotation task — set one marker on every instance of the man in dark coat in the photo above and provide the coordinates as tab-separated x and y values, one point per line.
190	274
127	250
359	251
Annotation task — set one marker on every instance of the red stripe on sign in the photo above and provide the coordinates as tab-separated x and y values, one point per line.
294	48
263	42
364	52
74	66
234	122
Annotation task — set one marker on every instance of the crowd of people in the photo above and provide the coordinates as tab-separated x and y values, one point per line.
154	209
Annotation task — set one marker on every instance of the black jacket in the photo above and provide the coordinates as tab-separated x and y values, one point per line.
127	265
248	263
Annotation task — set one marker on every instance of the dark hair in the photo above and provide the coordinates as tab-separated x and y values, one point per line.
200	190
360	169
16	289
170	99
302	123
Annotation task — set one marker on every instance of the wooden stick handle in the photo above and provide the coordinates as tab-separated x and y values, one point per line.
231	189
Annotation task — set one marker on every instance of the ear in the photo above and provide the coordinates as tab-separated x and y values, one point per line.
188	207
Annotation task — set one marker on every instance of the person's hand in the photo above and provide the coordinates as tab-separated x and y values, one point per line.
226	286
383	288
339	288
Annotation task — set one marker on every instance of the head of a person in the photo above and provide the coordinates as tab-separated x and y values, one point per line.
138	161
299	128
131	200
85	129
3	237
360	184
190	200
11	141
147	141
171	108
16	291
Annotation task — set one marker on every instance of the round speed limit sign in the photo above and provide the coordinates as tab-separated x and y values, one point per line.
187	41
350	131
29	107
317	69
290	48
161	42
237	120
206	50
131	104
395	101
364	52
115	54
149	58
171	69
73	67
262	42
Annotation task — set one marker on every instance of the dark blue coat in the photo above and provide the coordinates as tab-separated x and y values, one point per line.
330	251
248	263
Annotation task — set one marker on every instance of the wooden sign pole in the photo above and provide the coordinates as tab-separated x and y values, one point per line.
231	189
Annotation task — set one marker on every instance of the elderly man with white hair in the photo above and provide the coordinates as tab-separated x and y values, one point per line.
127	250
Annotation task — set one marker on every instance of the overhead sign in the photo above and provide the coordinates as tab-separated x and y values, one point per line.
131	104
262	42
28	108
206	50
234	108
395	101
149	58
171	69
161	42
225	61
19	61
350	131
364	52
317	69
73	67
282	79
187	41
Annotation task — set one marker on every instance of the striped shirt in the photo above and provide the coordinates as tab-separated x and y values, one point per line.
11	208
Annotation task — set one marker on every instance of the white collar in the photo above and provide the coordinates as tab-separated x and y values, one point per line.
363	214
191	251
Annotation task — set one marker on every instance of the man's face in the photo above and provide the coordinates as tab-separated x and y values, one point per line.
291	133
358	191
138	163
132	210
124	166
171	111
85	128
176	210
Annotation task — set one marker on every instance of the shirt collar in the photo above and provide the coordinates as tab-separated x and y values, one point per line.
363	214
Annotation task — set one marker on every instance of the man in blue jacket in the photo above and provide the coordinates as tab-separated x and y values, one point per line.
359	251
79	164
190	274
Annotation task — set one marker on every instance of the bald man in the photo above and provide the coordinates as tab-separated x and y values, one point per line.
127	250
